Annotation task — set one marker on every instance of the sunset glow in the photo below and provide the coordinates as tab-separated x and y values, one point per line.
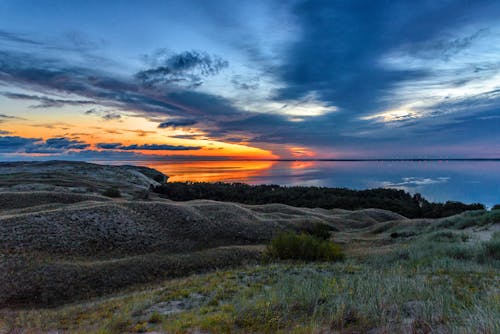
255	80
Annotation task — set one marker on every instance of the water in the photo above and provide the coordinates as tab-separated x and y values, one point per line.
465	181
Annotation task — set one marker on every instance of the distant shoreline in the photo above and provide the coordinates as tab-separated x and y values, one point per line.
454	159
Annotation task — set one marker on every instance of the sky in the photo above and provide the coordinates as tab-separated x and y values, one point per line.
134	80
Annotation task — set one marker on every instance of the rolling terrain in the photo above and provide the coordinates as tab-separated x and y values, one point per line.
73	260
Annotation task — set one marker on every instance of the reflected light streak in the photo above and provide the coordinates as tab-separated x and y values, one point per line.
212	171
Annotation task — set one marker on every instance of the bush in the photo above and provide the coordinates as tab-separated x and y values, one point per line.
303	247
155	318
496	207
112	192
492	249
319	230
403	234
448	236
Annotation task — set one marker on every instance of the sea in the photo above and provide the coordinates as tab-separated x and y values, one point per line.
467	181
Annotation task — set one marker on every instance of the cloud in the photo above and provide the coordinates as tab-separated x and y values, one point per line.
17	144
186	136
106	115
3	116
141	133
363	60
53	125
46	102
146	147
17	38
4	132
111	116
10	144
185	69
415	181
56	145
108	146
177	123
244	83
39	73
442	47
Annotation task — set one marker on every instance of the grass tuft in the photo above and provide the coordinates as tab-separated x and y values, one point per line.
292	246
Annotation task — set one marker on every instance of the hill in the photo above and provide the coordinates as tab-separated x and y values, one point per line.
77	177
411	206
73	260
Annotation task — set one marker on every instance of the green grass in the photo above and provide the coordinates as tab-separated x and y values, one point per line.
471	219
303	246
438	280
491	248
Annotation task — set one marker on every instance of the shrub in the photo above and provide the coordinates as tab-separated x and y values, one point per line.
140	328
492	249
303	247
118	324
112	192
403	234
448	236
319	230
496	207
155	318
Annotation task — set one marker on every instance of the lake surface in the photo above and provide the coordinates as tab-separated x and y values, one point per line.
465	181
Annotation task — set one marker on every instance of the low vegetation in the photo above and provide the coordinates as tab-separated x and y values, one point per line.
303	246
315	197
112	192
422	292
321	231
71	262
491	248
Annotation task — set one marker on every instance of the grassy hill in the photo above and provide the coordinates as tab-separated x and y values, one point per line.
79	262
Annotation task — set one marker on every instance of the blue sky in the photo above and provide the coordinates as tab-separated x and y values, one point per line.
289	79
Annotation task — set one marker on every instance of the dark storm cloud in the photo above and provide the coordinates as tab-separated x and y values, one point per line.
56	145
104	114
11	144
185	69
16	144
46	102
337	54
177	123
146	147
342	42
41	74
108	146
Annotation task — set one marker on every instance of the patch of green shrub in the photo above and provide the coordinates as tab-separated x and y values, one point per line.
492	249
448	236
319	230
303	247
403	234
112	192
155	318
118	324
496	207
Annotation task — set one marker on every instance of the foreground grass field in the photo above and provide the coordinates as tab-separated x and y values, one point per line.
422	276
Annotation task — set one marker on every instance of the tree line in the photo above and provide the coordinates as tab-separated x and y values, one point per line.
400	201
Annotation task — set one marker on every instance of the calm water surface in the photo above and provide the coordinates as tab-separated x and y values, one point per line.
466	181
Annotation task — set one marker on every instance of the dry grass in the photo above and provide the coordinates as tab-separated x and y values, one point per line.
79	246
82	263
